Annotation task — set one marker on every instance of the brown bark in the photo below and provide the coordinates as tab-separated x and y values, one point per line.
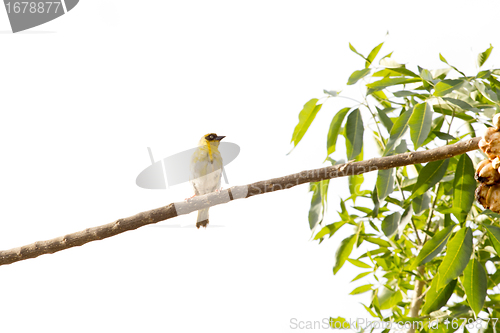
180	208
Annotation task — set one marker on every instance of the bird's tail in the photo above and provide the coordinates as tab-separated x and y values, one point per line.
202	220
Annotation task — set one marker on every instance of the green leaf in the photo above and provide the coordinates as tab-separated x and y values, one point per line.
398	131
444	136
403	70
462	104
433	247
330	229
332	93
378	241
316	209
447	86
483	56
493	280
446	62
371	312
457	257
354	134
440	74
387	82
494	233
343	252
403	93
394	71
324	192
354	50
475	285
389	63
429	176
339	323
420	124
376	203
387	55
334	130
361	289
386	121
357	75
489	213
402	147
436	125
390	224
435	299
359	263
487	93
405	219
464	186
444	109
360	276
389	298
381	98
344	214
373	54
306	117
355	181
385	183
421	203
365	210
318	202
426	75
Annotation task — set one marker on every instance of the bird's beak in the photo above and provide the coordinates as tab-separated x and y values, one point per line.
218	138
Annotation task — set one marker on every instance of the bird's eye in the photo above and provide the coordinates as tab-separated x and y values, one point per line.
211	137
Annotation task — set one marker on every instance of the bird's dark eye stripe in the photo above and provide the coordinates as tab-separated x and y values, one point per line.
210	137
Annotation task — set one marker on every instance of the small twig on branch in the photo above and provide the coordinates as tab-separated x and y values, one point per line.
180	208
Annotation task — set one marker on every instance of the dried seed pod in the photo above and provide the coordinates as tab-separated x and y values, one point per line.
489	196
495	163
486	173
490	143
494	198
496	121
482	194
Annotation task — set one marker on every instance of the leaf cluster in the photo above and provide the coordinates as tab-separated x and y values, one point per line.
416	223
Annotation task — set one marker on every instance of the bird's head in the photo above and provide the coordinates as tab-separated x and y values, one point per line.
211	139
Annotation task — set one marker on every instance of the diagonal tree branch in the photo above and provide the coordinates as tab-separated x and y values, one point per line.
180	208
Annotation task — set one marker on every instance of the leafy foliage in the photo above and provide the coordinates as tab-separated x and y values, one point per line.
419	222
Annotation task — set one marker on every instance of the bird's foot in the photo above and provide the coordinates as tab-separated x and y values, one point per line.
202	224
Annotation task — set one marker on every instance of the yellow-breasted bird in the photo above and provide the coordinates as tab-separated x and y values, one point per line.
206	170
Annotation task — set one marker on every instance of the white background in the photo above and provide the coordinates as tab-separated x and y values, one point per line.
83	96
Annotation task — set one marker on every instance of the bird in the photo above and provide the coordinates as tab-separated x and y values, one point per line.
205	171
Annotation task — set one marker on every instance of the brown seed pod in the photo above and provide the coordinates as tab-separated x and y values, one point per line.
496	121
495	163
486	173
482	194
490	143
489	196
494	198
